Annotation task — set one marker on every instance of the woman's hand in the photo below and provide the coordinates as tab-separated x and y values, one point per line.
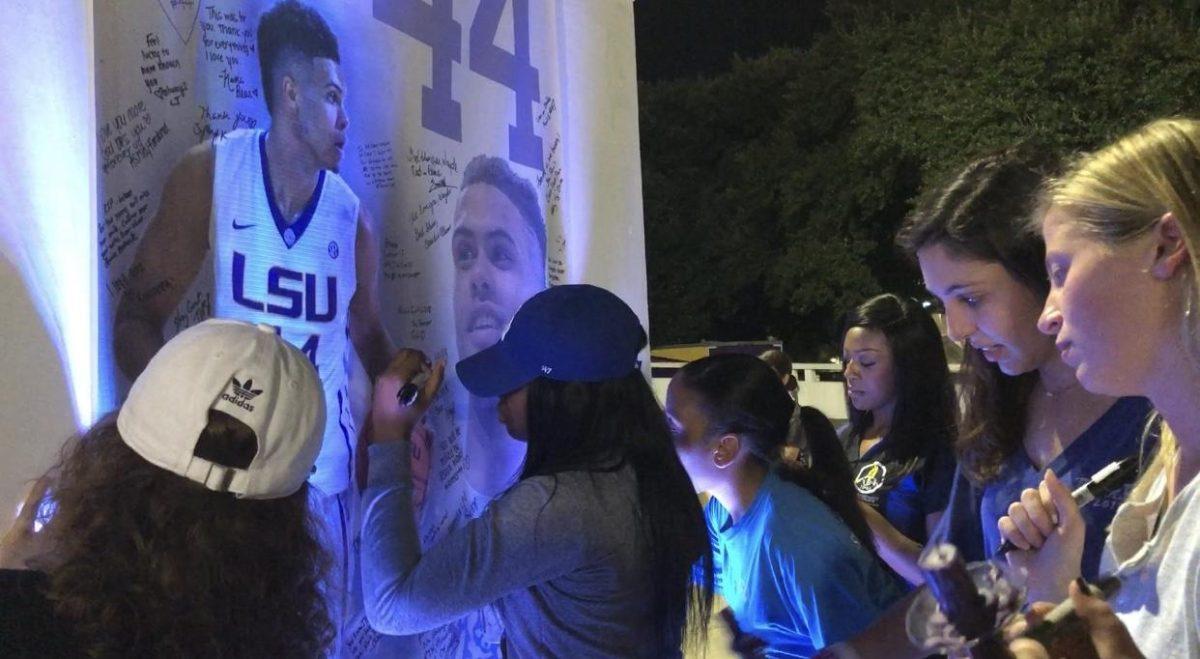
1109	637
390	420
1048	531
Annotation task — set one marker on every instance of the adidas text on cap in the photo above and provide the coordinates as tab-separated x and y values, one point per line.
245	371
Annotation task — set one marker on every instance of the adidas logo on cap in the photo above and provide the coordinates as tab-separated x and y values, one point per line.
242	394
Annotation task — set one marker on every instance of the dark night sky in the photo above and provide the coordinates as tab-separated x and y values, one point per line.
686	38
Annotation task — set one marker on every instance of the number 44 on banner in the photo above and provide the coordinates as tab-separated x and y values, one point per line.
434	26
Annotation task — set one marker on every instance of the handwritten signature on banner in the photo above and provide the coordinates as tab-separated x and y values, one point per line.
123	216
131	136
195	309
213	124
396	262
157	62
378	164
437	172
228	39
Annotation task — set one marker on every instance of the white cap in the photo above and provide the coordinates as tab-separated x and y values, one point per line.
247	372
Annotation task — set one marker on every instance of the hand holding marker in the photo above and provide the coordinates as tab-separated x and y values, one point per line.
1116	475
411	390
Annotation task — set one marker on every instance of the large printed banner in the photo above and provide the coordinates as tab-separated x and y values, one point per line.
491	147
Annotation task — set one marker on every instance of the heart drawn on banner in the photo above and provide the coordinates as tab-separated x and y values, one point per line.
182	14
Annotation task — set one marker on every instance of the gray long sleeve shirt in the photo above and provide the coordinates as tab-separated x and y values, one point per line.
563	558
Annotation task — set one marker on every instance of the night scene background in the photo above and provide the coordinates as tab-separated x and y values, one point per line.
783	141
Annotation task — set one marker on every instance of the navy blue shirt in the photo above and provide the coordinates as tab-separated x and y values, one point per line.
903	491
960	525
1117	434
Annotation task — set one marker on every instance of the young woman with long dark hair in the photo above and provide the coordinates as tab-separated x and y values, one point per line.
902	424
591	552
791	550
1024	409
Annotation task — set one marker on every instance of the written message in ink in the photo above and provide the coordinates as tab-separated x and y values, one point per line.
124	214
120	283
556	269
158	62
378	165
196	308
130	136
396	262
550	179
228	44
211	124
420	319
436	172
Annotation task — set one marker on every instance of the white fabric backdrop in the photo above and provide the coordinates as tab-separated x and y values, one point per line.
47	326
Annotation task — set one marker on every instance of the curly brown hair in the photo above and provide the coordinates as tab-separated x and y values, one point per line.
147	563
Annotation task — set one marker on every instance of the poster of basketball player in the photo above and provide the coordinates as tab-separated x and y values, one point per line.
364	175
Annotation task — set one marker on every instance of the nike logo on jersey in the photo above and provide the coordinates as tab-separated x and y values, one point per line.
241	226
290	301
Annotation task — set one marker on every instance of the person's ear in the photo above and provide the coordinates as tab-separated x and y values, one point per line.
726	451
291	90
1170	249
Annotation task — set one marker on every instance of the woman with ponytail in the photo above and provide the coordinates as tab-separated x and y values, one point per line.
792	554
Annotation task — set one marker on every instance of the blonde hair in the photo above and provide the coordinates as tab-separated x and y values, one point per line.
1119	193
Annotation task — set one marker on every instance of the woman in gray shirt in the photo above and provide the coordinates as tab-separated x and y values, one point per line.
590	553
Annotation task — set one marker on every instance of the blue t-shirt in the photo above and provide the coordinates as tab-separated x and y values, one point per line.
905	492
960	525
1115	435
793	573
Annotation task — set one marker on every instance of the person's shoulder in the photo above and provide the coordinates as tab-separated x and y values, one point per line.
792	511
240	143
334	183
235	138
801	530
535	491
561	501
1124	424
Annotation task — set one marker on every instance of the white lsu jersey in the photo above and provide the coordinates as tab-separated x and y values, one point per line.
298	276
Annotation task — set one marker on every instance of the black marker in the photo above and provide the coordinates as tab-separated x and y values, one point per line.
411	390
1107	480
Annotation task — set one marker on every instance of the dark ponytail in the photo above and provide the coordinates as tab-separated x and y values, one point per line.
741	395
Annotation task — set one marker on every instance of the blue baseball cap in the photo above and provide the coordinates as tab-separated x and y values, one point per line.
571	333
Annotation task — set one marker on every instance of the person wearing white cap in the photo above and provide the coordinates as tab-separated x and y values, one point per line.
590	553
182	524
